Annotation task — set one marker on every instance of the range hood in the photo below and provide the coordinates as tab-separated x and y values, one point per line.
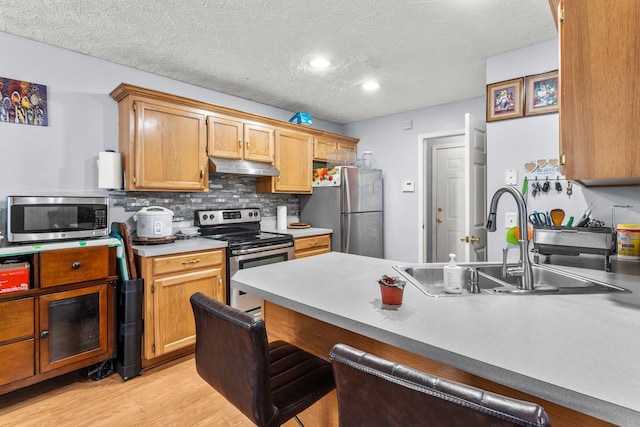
242	167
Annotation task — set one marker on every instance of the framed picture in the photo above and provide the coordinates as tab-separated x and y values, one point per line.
504	100
541	93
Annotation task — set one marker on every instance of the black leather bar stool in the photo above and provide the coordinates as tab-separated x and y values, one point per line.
270	383
373	391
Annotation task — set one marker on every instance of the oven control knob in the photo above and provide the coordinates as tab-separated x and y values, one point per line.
205	216
250	214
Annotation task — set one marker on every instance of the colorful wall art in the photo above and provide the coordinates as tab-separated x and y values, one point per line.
23	102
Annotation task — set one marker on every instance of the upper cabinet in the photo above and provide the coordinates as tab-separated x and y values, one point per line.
232	138
599	93
325	145
166	141
293	158
163	144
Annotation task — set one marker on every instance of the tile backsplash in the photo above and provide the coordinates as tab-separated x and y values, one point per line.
225	191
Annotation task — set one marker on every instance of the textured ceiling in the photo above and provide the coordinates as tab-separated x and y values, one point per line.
423	52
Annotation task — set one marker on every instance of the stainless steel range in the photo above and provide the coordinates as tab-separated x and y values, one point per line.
247	246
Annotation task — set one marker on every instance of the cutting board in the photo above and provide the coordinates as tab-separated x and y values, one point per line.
299	225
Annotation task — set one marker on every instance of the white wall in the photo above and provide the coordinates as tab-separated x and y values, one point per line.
61	158
396	151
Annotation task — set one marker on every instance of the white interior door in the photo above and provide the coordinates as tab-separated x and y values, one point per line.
475	246
455	215
449	202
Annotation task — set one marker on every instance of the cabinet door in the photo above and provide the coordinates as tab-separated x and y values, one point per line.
73	326
174	323
293	158
225	137
170	148
322	147
258	143
599	71
348	146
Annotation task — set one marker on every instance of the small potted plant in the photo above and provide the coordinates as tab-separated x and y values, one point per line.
392	290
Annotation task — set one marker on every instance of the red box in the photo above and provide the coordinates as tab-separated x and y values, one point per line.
14	277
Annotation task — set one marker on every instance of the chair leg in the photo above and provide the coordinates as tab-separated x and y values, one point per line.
298	421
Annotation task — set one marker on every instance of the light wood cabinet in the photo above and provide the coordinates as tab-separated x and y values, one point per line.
232	138
169	282
163	143
312	245
599	72
324	146
293	158
64	322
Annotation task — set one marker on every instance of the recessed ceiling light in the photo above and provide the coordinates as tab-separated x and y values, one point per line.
320	63
370	85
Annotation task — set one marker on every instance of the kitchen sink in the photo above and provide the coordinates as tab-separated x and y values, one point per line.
547	280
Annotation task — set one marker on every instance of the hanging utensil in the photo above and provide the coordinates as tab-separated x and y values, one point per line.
557	216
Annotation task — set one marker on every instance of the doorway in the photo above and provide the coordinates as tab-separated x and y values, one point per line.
452	197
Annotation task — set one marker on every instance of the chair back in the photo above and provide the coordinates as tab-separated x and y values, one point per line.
373	391
232	355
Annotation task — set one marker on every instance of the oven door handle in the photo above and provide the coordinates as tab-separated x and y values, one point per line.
261	249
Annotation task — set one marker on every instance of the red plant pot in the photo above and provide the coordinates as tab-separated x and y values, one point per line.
391	295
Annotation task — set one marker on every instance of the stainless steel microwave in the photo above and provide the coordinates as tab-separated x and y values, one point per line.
40	219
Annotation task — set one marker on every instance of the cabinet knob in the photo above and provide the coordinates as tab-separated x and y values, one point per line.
313	244
240	144
248	146
44	334
191	261
76	265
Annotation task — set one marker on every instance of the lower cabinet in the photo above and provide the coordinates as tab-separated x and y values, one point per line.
313	245
169	282
64	322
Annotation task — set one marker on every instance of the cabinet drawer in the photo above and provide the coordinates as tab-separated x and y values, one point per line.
187	262
17	319
73	265
18	361
314	245
313	242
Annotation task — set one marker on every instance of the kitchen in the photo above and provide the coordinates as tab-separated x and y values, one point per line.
71	160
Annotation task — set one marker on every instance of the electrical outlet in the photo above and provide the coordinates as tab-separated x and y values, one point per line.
511	177
510	219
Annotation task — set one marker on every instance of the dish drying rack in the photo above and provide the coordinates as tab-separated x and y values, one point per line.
552	240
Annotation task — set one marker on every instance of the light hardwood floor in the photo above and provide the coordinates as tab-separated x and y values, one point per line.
170	395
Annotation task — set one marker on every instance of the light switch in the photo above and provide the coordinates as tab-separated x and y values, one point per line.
510	219
408	187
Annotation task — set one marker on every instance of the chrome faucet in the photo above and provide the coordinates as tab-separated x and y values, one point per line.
524	265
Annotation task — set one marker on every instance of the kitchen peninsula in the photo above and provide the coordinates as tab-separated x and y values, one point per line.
576	355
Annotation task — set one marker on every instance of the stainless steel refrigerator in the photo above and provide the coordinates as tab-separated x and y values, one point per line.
352	208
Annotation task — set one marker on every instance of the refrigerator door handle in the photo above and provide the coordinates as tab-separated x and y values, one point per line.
346	220
346	233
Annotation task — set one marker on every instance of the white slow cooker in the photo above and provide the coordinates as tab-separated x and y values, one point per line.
154	222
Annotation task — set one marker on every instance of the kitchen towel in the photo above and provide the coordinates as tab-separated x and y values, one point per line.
282	217
109	170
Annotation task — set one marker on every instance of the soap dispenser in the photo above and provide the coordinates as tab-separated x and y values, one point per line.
453	276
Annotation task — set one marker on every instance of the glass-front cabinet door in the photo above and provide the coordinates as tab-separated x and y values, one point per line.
73	326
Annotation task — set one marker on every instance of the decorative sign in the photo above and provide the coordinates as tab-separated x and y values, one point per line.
23	102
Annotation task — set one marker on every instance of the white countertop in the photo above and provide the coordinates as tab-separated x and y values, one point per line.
31	248
580	351
178	246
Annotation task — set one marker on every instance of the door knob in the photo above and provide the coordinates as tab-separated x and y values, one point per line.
474	239
439	219
464	239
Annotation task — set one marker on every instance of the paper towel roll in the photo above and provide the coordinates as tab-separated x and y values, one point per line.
109	170
282	217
